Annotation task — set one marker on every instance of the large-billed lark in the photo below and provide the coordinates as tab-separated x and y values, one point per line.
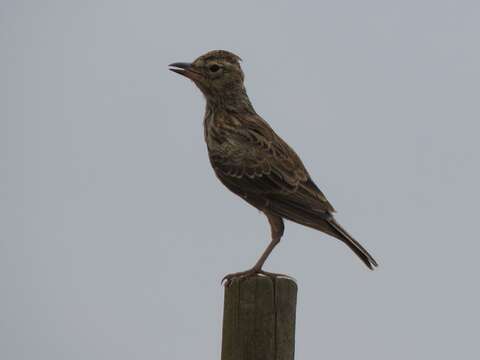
252	161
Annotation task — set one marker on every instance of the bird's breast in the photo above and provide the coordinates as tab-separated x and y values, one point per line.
215	129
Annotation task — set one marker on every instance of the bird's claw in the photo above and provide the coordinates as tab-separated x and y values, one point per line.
242	275
272	275
227	279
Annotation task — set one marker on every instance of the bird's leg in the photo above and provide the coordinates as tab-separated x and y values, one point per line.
256	269
277	227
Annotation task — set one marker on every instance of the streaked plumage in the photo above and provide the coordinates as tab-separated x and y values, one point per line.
252	161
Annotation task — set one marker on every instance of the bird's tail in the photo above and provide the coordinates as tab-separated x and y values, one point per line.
340	233
323	221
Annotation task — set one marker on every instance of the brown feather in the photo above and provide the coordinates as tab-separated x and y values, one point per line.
252	161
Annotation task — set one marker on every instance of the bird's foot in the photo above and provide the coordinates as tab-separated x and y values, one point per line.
227	279
242	275
272	275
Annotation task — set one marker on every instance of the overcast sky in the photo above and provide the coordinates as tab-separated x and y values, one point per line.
115	232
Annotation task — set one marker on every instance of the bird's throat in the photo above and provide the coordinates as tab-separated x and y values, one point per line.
230	100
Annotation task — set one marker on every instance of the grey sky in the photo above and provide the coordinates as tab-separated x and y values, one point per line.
115	233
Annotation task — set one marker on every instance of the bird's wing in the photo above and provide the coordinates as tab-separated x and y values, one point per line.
255	163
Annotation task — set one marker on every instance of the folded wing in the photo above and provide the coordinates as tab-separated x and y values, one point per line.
258	165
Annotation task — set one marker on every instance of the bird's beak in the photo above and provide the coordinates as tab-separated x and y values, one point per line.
185	69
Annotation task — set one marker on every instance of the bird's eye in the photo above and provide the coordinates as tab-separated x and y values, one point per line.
214	68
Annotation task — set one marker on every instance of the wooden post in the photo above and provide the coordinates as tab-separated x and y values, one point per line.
259	319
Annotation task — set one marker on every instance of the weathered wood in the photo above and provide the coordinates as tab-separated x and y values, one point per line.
259	319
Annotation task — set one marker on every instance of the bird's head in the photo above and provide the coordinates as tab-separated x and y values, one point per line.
217	74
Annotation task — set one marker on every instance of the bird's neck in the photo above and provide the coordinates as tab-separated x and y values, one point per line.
230	100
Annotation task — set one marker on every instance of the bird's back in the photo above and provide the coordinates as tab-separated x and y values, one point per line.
256	164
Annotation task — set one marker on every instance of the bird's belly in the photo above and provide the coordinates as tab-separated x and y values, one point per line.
252	197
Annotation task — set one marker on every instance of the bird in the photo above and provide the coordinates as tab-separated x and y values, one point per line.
254	162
